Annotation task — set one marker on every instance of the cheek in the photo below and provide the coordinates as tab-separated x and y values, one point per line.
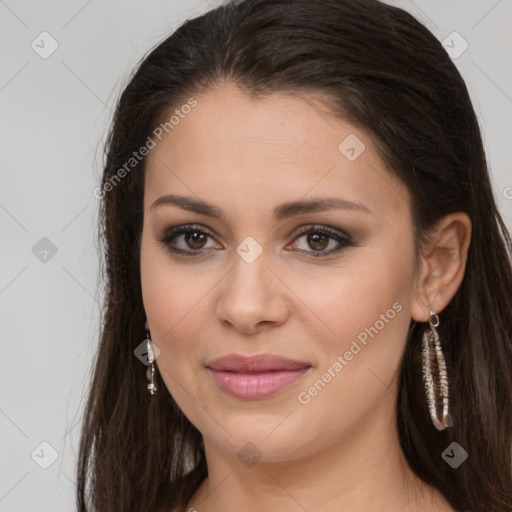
348	301
367	310
172	293
364	308
165	296
177	302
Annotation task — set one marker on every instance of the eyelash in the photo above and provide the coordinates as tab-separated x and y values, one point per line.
343	239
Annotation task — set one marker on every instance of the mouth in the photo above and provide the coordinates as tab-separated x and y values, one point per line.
256	377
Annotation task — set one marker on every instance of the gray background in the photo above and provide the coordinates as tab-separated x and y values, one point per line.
54	116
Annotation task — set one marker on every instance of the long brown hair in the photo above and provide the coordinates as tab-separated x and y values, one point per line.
379	68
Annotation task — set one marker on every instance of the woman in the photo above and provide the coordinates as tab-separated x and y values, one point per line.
308	280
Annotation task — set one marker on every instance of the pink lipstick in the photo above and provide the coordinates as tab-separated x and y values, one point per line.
255	377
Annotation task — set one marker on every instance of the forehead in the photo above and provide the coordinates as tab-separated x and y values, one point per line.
278	147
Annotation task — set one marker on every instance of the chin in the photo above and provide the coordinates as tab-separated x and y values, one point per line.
257	441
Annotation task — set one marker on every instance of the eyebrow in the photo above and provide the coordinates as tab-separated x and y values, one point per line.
280	212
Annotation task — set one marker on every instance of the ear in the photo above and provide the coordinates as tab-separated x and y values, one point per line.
442	265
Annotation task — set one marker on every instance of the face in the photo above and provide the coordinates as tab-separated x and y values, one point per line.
269	270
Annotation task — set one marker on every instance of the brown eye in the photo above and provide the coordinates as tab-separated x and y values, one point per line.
187	240
321	241
317	241
195	239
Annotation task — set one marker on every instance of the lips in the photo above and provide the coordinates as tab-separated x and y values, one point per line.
257	363
255	377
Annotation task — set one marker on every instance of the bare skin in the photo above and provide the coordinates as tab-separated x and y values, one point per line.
336	449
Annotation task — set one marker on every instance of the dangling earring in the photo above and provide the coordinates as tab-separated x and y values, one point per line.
433	356
150	372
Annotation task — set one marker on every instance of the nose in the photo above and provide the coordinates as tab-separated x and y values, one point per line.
252	297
